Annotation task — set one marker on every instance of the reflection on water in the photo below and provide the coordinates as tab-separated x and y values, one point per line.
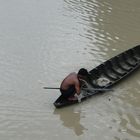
71	120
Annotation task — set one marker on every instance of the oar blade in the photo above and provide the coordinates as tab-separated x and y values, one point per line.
50	88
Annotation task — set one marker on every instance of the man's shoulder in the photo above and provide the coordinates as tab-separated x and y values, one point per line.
73	74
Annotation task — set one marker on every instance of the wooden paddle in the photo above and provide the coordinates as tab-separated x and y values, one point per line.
87	89
50	88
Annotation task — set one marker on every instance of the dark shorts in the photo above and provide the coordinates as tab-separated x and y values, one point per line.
69	92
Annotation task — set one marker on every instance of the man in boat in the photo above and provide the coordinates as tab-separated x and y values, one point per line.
71	85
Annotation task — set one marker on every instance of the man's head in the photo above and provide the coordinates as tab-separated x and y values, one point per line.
83	72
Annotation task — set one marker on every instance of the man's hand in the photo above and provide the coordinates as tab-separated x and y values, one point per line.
79	97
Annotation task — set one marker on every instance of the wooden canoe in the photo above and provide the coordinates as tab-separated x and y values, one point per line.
108	74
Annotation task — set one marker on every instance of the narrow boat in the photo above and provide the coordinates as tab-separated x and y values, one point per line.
107	74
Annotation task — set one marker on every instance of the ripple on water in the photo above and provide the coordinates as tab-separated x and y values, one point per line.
128	110
91	15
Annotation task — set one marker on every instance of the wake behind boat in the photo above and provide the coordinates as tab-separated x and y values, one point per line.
107	74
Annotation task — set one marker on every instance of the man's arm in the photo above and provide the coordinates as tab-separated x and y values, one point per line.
77	87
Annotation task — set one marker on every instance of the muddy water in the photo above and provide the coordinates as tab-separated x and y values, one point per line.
40	43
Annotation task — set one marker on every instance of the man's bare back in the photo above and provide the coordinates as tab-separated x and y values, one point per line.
70	86
71	80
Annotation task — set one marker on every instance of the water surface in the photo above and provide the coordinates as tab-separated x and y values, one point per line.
40	43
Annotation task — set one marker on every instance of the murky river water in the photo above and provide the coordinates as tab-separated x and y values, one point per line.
40	43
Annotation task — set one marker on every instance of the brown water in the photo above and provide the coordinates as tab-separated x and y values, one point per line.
40	43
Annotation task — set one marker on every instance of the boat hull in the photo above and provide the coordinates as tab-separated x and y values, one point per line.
108	74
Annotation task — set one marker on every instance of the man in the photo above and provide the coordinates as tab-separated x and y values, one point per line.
71	84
